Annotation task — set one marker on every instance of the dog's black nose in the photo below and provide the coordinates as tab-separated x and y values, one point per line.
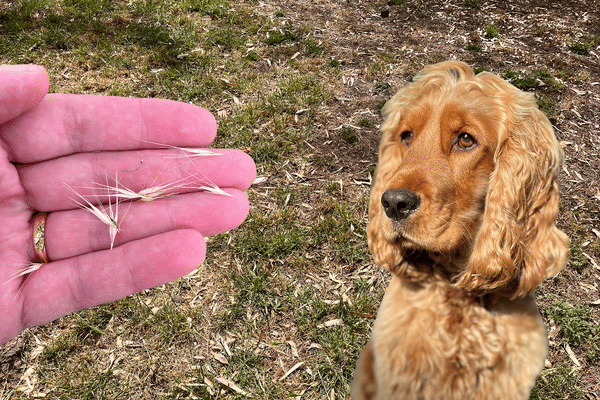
398	204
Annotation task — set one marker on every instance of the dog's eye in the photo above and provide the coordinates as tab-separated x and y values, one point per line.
464	141
406	137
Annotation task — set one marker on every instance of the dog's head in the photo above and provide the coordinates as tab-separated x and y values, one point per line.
467	175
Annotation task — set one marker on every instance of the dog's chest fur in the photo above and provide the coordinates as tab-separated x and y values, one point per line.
432	342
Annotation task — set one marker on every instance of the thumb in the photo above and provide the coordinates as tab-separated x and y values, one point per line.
22	87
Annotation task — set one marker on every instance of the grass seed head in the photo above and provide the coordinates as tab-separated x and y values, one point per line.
108	214
32	267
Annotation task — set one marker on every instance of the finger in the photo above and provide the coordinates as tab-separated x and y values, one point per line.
71	233
22	87
62	287
48	183
65	124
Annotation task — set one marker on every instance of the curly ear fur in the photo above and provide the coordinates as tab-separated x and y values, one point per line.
518	244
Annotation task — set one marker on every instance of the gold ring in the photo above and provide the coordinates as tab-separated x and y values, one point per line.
39	243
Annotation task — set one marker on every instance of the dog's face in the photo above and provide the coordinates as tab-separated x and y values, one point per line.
436	167
467	172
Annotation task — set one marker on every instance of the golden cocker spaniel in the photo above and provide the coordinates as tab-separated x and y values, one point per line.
463	212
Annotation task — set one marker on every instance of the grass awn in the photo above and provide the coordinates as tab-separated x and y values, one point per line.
109	214
188	151
122	193
32	267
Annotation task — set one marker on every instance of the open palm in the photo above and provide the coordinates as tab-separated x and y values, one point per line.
54	147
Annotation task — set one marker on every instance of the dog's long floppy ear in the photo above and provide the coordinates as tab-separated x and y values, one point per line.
385	254
432	77
518	244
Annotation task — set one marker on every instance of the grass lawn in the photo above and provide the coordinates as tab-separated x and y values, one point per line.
283	305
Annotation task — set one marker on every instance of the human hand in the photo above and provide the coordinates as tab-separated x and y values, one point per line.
50	144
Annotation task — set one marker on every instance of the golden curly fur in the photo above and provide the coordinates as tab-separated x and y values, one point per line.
463	212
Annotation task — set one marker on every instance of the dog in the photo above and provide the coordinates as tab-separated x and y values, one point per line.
462	211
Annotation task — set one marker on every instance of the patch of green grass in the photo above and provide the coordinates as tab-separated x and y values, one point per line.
259	290
490	31
509	74
474	4
581	48
575	322
90	8
546	76
349	135
576	257
522	81
268	152
277	110
288	195
313	48
340	230
302	92
21	30
526	82
556	384
90	324
227	37
548	107
86	381
333	63
56	353
280	35
252	56
325	162
473	47
243	364
59	31
214	8
171	321
364	123
164	46
270	237
247	368
543	74
99	385
382	87
371	170
332	188
341	341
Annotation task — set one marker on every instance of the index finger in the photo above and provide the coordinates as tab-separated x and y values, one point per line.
64	124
